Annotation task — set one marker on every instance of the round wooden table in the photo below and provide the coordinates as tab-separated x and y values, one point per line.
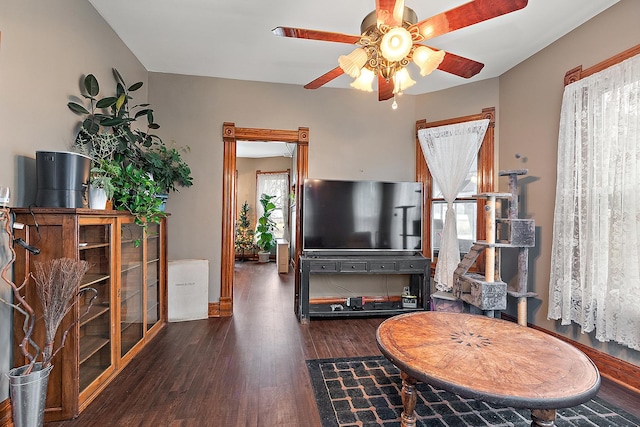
489	359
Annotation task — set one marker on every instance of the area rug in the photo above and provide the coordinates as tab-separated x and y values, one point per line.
365	391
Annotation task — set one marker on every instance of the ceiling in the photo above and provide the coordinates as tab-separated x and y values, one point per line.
233	39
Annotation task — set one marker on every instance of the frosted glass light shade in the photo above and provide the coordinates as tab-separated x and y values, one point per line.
365	81
402	81
353	62
427	59
396	44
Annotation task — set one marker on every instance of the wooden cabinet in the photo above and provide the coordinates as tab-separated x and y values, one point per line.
95	337
282	256
128	270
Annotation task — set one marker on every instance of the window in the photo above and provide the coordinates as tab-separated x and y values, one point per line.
275	184
594	276
469	210
466	213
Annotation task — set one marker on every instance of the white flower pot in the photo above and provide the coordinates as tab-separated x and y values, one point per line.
97	198
263	256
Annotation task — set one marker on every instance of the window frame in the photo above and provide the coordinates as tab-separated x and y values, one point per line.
286	224
486	179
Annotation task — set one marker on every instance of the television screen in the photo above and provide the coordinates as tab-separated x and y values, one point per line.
362	216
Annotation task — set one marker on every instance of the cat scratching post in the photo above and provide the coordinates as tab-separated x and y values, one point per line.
488	293
521	234
490	251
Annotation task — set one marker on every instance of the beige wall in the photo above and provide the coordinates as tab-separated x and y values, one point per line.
45	49
46	46
530	100
351	136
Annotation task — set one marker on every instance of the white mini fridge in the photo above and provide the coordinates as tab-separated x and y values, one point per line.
188	289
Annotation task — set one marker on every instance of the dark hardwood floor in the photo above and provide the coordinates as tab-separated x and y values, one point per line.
248	370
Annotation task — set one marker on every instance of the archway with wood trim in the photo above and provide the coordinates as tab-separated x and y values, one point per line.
230	135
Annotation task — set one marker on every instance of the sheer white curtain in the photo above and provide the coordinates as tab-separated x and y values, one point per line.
275	184
450	151
595	259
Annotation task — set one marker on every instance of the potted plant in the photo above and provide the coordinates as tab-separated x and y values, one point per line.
266	240
100	147
57	282
142	155
244	232
135	191
166	166
115	113
101	187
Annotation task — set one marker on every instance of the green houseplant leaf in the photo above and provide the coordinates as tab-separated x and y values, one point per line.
266	227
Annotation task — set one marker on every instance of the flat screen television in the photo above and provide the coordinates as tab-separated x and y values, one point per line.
361	217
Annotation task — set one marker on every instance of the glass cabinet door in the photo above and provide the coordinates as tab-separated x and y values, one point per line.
95	322
131	286
153	275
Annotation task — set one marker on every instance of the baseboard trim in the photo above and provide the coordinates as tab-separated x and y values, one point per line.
214	309
625	374
5	413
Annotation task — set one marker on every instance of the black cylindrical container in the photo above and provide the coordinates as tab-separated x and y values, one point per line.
62	178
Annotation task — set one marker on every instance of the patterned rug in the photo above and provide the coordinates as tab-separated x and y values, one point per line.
365	391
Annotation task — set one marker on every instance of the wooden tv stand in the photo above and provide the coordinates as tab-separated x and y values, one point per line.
417	266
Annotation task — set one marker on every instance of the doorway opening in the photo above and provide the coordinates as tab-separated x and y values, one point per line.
231	135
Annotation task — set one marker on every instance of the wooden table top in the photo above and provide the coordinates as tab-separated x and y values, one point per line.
490	359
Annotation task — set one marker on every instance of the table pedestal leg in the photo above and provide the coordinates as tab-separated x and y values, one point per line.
408	400
543	417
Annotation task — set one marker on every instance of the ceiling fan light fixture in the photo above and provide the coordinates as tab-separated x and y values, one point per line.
352	63
365	81
396	44
402	81
427	59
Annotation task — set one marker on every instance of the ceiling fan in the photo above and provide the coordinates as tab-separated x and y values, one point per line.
391	37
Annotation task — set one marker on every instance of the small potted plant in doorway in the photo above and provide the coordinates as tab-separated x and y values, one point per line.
244	232
266	228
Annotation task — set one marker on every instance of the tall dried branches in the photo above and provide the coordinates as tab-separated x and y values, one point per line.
57	283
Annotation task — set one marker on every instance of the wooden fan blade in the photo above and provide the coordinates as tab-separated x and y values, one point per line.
466	15
460	66
385	88
325	78
390	12
301	33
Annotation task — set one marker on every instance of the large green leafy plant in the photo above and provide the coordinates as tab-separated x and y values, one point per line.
166	166
147	166
115	113
137	193
266	226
